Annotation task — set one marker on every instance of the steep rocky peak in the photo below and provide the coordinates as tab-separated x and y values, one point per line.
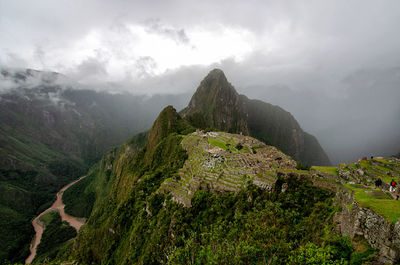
216	74
213	89
162	126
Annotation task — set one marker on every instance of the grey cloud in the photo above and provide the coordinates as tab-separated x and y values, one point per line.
39	54
178	35
92	69
145	66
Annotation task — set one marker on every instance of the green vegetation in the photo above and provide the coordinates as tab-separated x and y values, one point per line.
378	201
385	161
217	143
93	186
300	166
79	206
311	254
363	252
368	166
223	228
45	145
350	207
133	220
47	217
24	194
55	234
14	234
353	165
329	170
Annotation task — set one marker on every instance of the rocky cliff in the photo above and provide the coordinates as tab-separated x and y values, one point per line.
380	233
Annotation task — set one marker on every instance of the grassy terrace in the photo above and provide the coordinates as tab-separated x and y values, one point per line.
227	144
346	166
294	171
379	170
367	165
385	161
329	170
218	143
376	200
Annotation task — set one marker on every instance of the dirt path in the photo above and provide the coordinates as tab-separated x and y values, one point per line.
58	205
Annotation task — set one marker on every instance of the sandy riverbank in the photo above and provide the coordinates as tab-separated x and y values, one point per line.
59	206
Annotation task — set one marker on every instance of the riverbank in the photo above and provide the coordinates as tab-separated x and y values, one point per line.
59	206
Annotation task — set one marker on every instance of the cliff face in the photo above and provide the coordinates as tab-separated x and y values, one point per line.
217	105
377	230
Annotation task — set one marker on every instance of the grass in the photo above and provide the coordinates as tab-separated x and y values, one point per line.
231	146
349	206
271	174
363	251
346	165
382	168
379	170
385	161
217	143
329	170
377	201
388	179
367	165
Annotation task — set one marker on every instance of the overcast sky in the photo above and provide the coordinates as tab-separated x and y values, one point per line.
335	65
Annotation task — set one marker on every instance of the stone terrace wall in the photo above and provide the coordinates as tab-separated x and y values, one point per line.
379	232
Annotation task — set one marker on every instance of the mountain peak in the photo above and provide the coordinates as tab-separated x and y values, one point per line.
215	80
216	74
168	121
217	105
162	125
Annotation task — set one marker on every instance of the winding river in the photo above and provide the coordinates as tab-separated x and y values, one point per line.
58	205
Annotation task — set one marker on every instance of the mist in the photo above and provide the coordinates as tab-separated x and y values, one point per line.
335	65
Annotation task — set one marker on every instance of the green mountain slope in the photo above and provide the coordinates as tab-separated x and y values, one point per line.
193	197
51	132
217	105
